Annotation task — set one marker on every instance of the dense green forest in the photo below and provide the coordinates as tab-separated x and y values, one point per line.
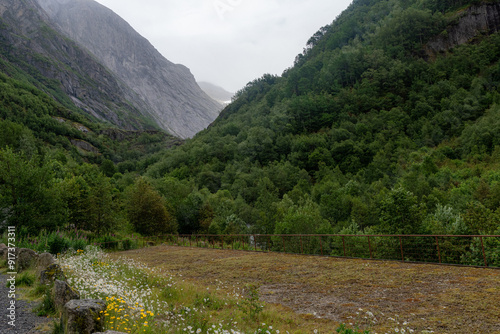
368	132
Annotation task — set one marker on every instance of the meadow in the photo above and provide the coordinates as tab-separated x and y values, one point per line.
167	289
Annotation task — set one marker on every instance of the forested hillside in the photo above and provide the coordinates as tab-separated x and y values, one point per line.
388	122
370	130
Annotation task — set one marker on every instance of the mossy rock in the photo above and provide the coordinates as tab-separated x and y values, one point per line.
43	262
25	258
52	273
63	293
83	316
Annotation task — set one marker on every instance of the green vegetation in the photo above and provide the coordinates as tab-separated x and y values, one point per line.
368	132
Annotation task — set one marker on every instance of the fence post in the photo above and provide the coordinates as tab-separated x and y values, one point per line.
284	248
484	253
370	246
401	245
439	250
343	243
301	246
254	243
321	244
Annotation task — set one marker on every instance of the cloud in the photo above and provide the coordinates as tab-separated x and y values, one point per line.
228	42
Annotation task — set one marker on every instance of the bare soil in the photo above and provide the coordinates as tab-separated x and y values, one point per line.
329	291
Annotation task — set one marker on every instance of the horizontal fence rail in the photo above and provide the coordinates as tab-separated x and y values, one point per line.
468	250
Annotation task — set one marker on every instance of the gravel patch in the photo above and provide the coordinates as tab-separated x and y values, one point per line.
26	321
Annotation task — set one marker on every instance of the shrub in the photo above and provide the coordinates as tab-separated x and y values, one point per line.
47	306
128	244
108	242
58	244
78	244
25	279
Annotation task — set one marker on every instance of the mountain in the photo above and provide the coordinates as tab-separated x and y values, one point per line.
388	122
217	93
33	49
173	99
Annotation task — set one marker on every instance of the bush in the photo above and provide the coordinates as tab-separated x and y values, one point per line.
25	279
78	244
108	242
128	244
58	244
48	306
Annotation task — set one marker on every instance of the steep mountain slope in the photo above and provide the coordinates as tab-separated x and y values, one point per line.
365	131
32	49
175	101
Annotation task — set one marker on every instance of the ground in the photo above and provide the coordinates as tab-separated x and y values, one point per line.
328	291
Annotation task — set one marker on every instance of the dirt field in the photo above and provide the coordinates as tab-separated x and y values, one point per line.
329	291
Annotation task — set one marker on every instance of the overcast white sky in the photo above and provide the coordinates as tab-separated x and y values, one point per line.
228	42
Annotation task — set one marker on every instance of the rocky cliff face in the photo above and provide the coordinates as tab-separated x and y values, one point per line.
468	24
174	99
58	66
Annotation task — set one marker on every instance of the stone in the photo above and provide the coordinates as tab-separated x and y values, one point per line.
3	251
472	22
25	258
63	293
83	316
43	262
52	273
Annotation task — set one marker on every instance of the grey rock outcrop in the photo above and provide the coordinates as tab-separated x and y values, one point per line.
33	43
175	100
52	273
469	24
25	258
83	316
43	262
63	293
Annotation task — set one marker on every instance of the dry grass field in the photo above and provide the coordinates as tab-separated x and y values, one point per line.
321	292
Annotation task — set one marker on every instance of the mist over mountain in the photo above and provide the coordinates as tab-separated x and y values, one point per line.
216	92
170	92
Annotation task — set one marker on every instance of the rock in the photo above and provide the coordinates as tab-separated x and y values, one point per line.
3	251
25	258
43	262
471	23
52	273
63	293
83	316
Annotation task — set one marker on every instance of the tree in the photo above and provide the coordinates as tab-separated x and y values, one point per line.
28	196
108	168
90	200
147	212
400	213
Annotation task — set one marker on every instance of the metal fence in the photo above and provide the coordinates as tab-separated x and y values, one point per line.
468	250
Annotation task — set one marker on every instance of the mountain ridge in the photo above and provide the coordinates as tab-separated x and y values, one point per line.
175	101
60	67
